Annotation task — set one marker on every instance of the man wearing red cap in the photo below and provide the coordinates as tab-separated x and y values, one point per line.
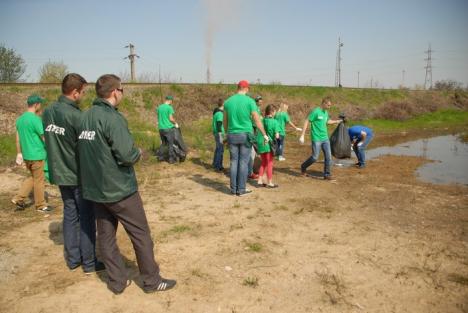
240	110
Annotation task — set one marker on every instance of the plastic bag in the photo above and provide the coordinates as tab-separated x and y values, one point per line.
340	142
180	149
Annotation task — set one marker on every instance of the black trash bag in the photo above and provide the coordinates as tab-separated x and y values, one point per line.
340	142
180	149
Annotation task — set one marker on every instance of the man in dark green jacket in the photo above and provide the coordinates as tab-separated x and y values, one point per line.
107	155
61	123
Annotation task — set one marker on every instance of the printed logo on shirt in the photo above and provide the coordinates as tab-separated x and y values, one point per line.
87	135
320	117
51	128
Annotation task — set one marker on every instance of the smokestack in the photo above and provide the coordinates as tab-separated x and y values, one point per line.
208	75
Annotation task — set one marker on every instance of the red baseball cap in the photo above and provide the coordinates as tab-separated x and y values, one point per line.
243	84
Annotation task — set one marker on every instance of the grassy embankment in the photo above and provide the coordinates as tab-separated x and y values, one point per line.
386	111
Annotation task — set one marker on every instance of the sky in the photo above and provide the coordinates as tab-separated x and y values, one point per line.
290	42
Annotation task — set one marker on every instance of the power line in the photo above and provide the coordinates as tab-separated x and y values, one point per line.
428	79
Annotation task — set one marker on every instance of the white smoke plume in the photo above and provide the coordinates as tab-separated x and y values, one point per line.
218	13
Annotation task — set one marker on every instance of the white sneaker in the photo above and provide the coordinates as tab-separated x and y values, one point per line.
281	158
45	209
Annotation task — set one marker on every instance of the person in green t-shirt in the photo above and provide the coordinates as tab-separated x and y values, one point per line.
30	149
282	117
253	153
265	149
167	125
218	133
239	111
319	119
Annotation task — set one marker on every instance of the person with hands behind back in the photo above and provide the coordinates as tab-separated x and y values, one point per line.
265	149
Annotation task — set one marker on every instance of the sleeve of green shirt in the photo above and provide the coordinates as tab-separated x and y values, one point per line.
38	126
121	143
312	116
286	117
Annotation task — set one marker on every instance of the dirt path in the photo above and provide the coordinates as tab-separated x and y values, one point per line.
376	240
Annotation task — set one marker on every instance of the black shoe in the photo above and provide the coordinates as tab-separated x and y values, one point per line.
74	267
20	206
164	285
98	267
118	292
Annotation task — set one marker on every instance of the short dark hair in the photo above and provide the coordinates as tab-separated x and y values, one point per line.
269	109
220	102
326	100
71	82
106	84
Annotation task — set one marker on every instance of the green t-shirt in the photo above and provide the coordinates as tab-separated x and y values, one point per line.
164	111
271	128
282	118
218	117
239	110
318	119
30	130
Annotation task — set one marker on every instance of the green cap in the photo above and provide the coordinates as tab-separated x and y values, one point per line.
35	99
169	98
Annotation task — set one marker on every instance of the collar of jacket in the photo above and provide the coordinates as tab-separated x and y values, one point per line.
66	100
103	102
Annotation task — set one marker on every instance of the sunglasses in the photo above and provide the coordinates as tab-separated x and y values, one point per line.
120	89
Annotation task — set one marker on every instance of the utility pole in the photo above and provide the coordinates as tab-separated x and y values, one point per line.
358	79
131	57
428	80
338	64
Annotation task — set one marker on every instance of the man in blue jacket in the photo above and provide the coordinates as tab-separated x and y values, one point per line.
360	137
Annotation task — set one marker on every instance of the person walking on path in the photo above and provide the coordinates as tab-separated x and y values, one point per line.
31	151
271	126
360	137
218	133
62	122
282	117
239	111
107	155
319	119
167	125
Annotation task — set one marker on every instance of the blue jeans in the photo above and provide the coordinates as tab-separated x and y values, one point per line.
218	153
240	151
316	146
280	150
251	161
79	229
360	151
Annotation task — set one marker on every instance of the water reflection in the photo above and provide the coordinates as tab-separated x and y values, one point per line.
449	153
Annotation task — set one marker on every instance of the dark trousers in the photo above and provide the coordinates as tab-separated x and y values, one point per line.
218	153
130	213
167	138
280	150
79	229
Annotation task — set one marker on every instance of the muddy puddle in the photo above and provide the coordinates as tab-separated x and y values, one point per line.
448	153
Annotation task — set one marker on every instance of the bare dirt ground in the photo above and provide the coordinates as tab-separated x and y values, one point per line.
375	240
